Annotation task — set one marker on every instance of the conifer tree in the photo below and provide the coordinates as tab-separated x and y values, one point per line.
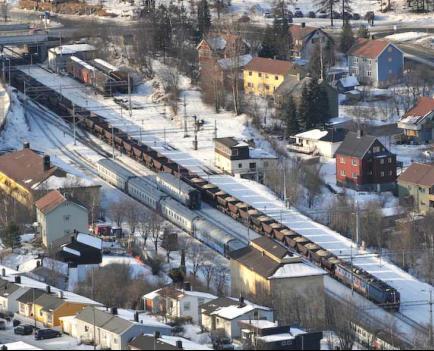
290	117
347	38
203	17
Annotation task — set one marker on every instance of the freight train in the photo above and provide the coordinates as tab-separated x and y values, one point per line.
172	210
354	277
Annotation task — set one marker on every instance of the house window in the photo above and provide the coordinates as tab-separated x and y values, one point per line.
354	162
382	174
382	161
266	76
356	59
250	73
343	174
391	173
276	77
250	85
187	306
267	87
369	61
389	49
376	149
390	159
240	165
354	175
369	73
390	59
259	74
252	165
66	218
86	328
342	160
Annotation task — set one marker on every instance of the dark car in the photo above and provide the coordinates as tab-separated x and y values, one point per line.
348	16
42	334
322	14
23	329
356	16
298	14
336	15
370	15
311	14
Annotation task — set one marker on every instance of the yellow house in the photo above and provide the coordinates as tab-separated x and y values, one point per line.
266	273
262	76
47	309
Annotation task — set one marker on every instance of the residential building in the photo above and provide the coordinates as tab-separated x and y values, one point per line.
22	171
48	308
222	315
25	301
376	62
112	331
58	217
9	293
176	303
346	84
266	273
58	56
79	249
163	342
49	276
305	39
293	86
318	142
364	163
416	187
262	76
238	159
417	123
266	335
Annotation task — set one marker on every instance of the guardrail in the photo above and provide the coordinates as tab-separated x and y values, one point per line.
5	104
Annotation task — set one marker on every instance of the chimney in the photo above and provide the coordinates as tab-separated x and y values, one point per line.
303	24
179	344
157	334
359	133
241	302
26	145
114	311
298	76
60	294
3	272
18	279
72	238
187	286
38	263
46	162
136	316
48	289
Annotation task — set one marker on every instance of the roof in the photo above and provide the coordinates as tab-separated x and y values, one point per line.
220	41
7	289
255	261
271	246
231	142
354	146
299	32
368	48
330	135
50	201
49	302
292	86
349	81
30	295
178	293
423	107
267	65
297	270
229	308
239	62
25	167
72	49
104	320
148	342
418	173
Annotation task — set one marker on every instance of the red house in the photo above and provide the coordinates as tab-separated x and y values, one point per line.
364	163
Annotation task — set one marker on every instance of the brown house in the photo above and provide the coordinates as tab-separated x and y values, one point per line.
364	163
305	38
267	273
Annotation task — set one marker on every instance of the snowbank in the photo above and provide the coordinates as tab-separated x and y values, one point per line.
4	105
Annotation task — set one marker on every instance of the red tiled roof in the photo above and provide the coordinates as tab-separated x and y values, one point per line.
368	48
418	173
299	32
25	167
424	106
50	201
267	65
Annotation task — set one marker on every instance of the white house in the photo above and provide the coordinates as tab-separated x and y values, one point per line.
113	332
177	303
223	314
58	217
9	293
318	142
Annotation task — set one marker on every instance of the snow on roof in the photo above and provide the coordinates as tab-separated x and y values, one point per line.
81	62
55	182
186	344
199	294
297	270
71	251
72	49
19	345
260	153
231	62
90	240
106	64
143	317
260	323
235	311
217	43
313	134
152	295
349	81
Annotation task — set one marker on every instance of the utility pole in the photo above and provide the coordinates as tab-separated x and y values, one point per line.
73	123
215	129
321	61
195	134
357	223
430	319
185	118
113	142
164	133
129	95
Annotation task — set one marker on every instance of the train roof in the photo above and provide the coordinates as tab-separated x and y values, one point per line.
141	183
179	208
116	168
164	177
81	62
105	64
213	231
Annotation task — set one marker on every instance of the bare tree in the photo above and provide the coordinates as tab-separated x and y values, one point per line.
169	77
221	274
117	211
195	255
312	182
143	226
208	270
154	228
132	214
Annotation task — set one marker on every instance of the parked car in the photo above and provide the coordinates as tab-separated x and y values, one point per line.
16	323
356	16
42	334
323	14
6	315
311	14
347	15
3	324
23	329
298	14
268	15
336	15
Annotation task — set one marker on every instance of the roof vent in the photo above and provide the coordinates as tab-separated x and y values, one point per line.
303	24
359	133
48	289
17	279
157	334
241	302
26	145
179	344
114	311
46	162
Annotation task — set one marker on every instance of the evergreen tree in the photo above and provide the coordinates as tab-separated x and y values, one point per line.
10	235
347	38
203	17
163	29
345	7
283	39
327	6
323	107
363	32
290	117
268	47
305	109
